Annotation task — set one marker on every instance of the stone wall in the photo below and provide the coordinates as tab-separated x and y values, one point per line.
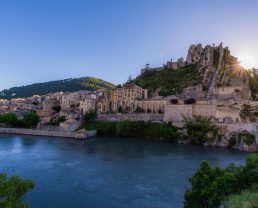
226	112
43	132
132	116
175	112
36	132
221	114
204	110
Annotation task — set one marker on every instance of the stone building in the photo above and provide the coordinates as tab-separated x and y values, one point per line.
88	103
125	96
45	115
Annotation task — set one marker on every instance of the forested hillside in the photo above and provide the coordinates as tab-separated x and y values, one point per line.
84	83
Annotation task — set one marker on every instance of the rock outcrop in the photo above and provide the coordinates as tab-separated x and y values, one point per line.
221	73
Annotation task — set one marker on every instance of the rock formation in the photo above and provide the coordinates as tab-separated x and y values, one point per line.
220	72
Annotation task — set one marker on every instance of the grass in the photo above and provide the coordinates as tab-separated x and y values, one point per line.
247	199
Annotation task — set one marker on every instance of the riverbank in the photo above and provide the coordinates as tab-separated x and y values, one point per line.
76	135
150	130
201	132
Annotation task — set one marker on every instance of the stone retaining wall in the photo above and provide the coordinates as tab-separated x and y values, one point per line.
132	117
36	132
44	132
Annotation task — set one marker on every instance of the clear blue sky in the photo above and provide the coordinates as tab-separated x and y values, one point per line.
43	40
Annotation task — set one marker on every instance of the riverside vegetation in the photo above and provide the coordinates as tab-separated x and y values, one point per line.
195	130
12	190
11	120
213	186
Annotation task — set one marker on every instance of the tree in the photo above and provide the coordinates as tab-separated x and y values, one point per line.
12	191
90	116
130	79
30	119
199	129
9	118
211	185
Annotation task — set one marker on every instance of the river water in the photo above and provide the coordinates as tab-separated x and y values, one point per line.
106	172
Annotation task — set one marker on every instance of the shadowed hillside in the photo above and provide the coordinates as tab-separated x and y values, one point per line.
84	83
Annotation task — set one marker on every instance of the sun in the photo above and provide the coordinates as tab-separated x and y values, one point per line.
248	61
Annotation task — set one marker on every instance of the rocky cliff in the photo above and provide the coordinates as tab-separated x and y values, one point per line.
209	73
220	71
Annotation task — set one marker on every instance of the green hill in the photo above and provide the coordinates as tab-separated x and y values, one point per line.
67	85
167	81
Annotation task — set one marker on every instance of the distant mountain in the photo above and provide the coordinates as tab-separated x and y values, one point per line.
66	85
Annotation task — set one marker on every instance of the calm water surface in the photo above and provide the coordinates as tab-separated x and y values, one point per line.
106	172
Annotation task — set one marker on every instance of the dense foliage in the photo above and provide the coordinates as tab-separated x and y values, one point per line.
241	137
136	128
85	83
199	129
12	191
10	119
169	81
30	119
90	116
211	185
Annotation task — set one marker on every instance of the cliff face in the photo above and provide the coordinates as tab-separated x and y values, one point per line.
219	71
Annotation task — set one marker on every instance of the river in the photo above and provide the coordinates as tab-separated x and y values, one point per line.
106	172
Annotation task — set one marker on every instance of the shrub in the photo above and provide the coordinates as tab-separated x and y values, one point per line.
143	129
240	137
199	129
211	185
61	119
90	116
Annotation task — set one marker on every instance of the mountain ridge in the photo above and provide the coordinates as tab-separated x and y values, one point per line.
69	85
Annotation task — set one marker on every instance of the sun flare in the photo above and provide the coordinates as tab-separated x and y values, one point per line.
247	61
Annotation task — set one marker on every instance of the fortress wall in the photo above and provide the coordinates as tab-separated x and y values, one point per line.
223	112
175	112
204	110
